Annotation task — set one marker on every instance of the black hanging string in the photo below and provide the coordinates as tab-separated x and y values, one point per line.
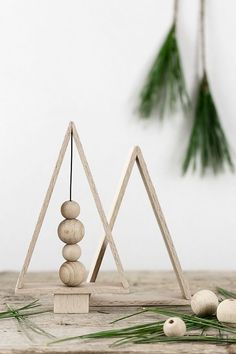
71	162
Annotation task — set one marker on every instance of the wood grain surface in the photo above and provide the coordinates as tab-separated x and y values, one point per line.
12	340
137	156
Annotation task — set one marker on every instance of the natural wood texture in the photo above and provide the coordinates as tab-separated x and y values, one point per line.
71	231
226	311
174	327
71	303
44	207
162	224
93	189
204	303
70	209
12	341
72	273
42	288
92	276
136	156
71	252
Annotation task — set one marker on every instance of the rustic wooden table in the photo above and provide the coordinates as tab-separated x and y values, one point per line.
12	340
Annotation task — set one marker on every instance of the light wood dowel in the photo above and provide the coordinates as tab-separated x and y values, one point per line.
136	156
162	225
92	276
100	210
44	207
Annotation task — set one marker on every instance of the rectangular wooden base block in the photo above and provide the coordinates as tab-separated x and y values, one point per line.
73	303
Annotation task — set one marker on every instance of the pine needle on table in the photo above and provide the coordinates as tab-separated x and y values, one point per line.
21	314
226	293
153	332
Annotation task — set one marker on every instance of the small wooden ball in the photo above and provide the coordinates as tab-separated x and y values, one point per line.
72	273
71	252
71	231
174	327
226	311
70	209
204	303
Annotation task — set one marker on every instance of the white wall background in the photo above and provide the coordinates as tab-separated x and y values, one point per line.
85	61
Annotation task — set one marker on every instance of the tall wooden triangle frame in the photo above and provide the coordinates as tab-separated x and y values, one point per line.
136	156
20	288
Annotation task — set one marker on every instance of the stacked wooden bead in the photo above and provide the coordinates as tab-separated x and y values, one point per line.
71	231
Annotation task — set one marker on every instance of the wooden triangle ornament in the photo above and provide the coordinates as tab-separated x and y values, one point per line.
76	299
136	156
86	288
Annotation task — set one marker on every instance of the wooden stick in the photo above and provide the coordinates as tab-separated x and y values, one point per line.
162	224
100	210
92	276
137	157
44	208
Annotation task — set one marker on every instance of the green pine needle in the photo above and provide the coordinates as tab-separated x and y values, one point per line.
208	322
188	339
164	90
153	332
21	314
226	293
207	142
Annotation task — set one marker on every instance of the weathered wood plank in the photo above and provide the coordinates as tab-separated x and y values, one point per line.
13	341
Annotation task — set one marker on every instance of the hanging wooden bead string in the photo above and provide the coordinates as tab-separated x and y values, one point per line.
71	231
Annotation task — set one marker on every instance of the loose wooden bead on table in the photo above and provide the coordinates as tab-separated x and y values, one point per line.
174	327
71	231
226	311
204	303
72	273
71	252
70	209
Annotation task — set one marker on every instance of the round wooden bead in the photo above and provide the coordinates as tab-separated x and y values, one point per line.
204	303
70	209
226	311
174	327
71	252
71	231
72	273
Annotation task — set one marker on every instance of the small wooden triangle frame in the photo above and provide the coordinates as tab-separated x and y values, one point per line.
137	156
21	287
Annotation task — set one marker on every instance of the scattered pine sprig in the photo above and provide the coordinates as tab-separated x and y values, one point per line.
207	142
188	339
21	314
206	322
153	332
164	89
226	293
24	310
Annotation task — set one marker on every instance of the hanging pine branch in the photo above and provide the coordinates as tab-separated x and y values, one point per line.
164	90
208	143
